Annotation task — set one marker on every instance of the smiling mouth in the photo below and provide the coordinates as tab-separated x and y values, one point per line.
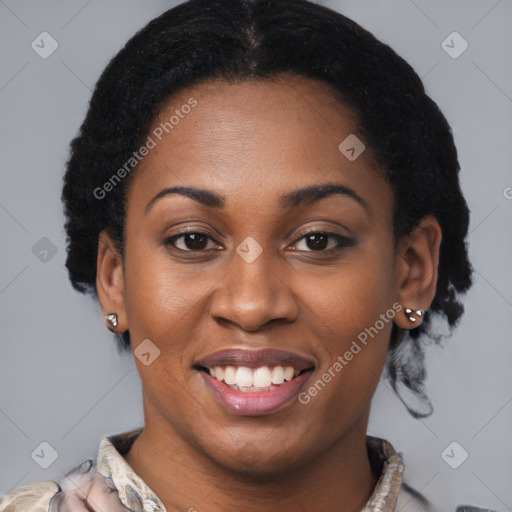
252	380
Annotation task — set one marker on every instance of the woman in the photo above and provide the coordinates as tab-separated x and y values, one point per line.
266	205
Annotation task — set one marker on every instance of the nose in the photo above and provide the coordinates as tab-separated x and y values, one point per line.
253	294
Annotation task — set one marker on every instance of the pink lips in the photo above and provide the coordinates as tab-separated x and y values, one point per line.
255	403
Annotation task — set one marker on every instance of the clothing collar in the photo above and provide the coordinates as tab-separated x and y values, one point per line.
138	497
133	492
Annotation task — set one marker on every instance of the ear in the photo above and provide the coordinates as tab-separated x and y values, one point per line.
417	262
110	280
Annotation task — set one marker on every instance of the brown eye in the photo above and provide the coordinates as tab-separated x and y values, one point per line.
318	241
191	241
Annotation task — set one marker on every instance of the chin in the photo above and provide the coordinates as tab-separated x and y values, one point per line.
259	461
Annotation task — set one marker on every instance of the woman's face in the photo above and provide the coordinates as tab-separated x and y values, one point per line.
248	287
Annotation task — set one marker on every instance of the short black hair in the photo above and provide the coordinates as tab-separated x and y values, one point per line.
262	39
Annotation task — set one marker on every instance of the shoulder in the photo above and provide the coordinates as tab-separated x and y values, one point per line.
47	496
83	483
81	486
391	489
34	497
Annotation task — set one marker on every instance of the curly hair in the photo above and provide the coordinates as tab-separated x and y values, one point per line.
261	39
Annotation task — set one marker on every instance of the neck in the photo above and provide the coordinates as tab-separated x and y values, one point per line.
185	478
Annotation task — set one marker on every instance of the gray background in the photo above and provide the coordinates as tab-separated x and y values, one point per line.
62	380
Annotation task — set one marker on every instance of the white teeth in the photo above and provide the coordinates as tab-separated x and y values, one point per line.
243	377
288	373
230	375
262	377
219	372
248	379
277	375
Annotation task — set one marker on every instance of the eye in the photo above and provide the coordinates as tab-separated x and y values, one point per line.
315	241
190	241
318	241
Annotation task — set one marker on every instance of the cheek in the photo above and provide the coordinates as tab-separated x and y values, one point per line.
165	303
353	295
354	313
160	295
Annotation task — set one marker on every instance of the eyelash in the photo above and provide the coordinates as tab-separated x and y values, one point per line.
342	241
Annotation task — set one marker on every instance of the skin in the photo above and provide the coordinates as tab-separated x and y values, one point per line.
251	142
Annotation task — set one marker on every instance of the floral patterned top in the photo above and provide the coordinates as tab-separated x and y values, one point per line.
109	484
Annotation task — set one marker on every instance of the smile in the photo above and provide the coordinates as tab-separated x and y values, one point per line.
254	383
250	380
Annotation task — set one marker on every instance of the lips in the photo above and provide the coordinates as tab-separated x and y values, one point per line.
255	359
254	382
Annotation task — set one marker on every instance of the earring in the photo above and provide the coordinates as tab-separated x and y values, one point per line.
412	315
111	320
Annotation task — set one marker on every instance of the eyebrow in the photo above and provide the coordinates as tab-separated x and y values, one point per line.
293	199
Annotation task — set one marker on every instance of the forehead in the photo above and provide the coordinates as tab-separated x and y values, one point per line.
253	136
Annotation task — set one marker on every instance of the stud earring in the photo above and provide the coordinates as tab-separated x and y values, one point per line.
111	320
412	314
